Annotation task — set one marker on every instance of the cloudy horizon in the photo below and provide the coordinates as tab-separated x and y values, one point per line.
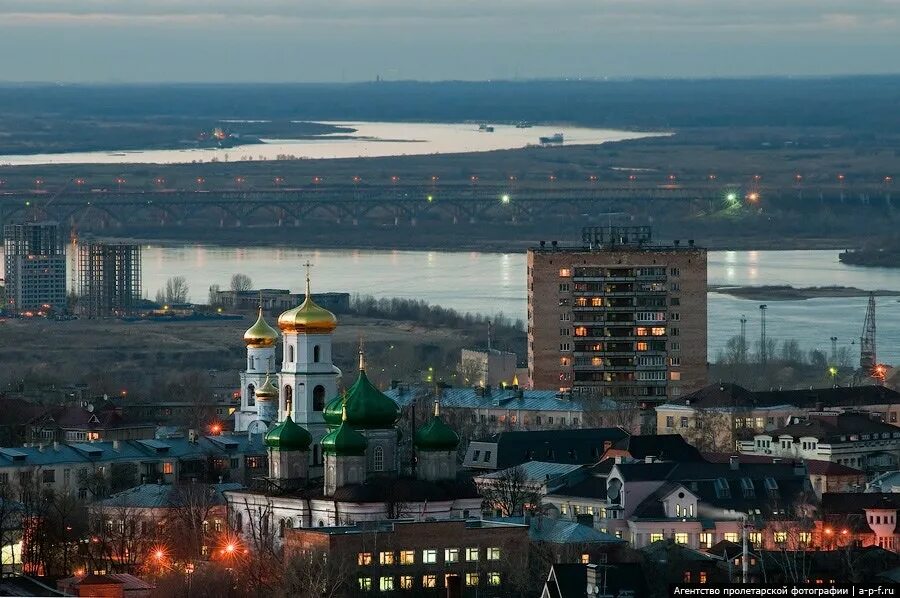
354	40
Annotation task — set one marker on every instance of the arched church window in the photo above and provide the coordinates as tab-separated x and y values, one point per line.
378	459
317	354
251	395
281	526
288	398
290	353
319	398
251	362
239	521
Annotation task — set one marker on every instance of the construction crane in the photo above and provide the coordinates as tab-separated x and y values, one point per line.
867	355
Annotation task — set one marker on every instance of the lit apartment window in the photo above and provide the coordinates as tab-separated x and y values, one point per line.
494	578
675	376
641	331
364	558
386	584
703	577
731	537
493	554
658	331
407	557
168	468
597	302
585	558
471	579
641	346
471	554
429	556
655	537
706	540
451	555
386	558
429	581
365	584
406	582
780	537
804	537
681	538
580	331
596	361
564	361
755	538
565	272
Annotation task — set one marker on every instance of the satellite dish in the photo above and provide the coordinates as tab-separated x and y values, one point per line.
90	408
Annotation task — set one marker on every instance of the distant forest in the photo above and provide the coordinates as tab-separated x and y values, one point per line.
866	103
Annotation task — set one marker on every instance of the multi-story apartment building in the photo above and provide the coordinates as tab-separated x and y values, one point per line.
35	261
618	317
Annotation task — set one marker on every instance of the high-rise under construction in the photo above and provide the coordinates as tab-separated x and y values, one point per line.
35	262
109	277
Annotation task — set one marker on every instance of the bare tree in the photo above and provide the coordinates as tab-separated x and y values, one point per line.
712	432
192	507
510	494
177	290
315	574
241	283
213	299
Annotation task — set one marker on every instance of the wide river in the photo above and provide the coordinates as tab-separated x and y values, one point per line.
371	139
491	283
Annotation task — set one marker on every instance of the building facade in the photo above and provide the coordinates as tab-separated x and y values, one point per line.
618	317
35	260
109	278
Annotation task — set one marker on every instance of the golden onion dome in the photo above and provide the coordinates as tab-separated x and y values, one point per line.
268	390
260	334
308	317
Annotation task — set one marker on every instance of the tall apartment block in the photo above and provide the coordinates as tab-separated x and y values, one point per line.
109	278
617	317
35	262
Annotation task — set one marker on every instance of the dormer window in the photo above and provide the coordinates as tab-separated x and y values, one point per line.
747	488
722	488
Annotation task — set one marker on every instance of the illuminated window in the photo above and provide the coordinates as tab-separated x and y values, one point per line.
407	557
471	579
471	554
451	555
585	559
804	537
365	583
780	537
386	558
641	331
656	331
656	537
580	331
429	581
675	375
731	537
681	538
756	538
364	558
596	361
702	577
641	346
597	302
581	301
493	554
386	584
565	272
563	361
494	578
706	540
406	582
429	556
168	468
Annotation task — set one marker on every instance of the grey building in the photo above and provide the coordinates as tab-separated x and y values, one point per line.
35	262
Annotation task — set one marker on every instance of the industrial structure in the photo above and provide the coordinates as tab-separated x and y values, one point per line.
35	262
618	317
109	278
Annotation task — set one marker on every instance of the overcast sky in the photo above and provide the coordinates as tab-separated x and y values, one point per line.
351	40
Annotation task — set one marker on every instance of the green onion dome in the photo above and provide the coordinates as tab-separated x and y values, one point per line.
367	407
288	436
344	441
436	435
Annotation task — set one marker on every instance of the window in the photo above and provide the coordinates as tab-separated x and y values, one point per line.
656	537
487	456
291	360
755	538
563	287
675	376
451	555
494	578
168	468
364	558
234	463
731	537
659	331
493	554
804	537
429	581
48	476
641	346
378	459
429	555
706	540
386	584
674	316
319	398
317	354
407	557
684	422
565	272
471	579
702	578
780	537
585	558
670	421
471	554
687	577
386	558
365	583
681	538
406	582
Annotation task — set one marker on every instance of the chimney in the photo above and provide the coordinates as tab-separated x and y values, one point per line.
734	462
56	445
192	436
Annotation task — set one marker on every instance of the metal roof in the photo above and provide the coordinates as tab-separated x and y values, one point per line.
509	398
539	471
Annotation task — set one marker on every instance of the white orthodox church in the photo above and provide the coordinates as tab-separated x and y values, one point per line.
334	459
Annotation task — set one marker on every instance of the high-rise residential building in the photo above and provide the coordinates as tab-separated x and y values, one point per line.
109	278
618	317
35	261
